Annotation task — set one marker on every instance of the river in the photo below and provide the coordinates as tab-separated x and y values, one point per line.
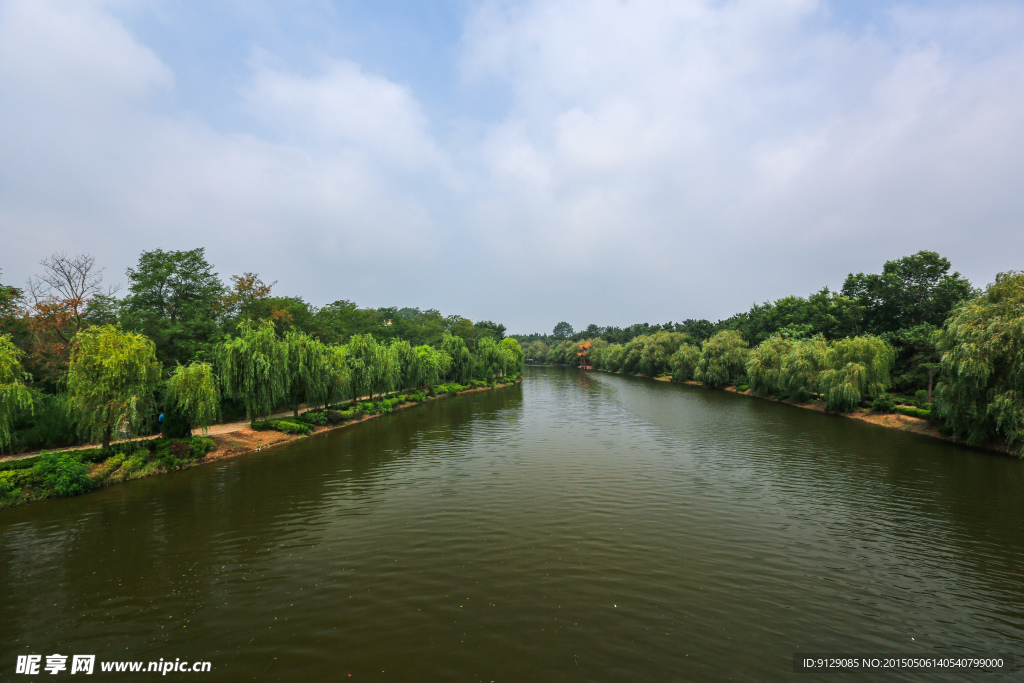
581	526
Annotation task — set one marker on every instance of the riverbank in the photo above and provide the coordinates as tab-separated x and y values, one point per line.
76	471
906	423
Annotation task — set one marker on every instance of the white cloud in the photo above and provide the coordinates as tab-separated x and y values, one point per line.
658	159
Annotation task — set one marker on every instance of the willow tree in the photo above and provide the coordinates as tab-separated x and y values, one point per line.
800	375
764	366
683	362
340	378
15	397
359	355
309	370
111	380
981	349
488	359
434	364
410	366
857	368
461	369
193	394
723	359
253	368
386	370
514	355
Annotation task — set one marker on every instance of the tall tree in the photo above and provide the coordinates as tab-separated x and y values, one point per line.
981	351
310	371
173	299
111	380
254	368
15	397
910	291
562	330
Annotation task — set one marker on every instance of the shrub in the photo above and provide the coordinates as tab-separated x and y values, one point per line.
921	399
385	406
108	467
287	426
742	387
367	407
883	403
10	492
313	417
914	412
63	473
417	397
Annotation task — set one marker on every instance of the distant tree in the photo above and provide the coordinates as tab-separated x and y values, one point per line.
193	394
173	299
111	380
463	328
563	330
910	291
493	330
254	368
10	305
698	330
981	351
58	299
15	397
723	359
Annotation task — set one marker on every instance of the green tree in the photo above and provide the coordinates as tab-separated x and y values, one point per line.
802	367
174	299
563	330
764	366
461	368
15	397
254	368
309	370
981	349
410	366
684	362
514	355
192	393
434	364
111	380
858	369
723	359
910	291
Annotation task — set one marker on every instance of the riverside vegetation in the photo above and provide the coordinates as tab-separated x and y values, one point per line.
77	364
914	339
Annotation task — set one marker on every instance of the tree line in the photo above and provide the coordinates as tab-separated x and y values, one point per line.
915	329
77	361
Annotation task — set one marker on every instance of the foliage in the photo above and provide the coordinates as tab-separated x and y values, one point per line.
254	368
884	403
314	417
910	291
562	330
722	360
63	473
192	392
173	299
800	376
684	362
981	351
858	368
111	381
288	426
764	366
15	397
311	370
914	412
461	367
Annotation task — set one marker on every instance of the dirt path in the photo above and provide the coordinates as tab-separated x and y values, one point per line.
215	430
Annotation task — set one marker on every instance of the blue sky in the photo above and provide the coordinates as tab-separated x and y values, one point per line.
528	162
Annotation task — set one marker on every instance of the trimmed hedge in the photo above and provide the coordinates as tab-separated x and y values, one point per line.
285	425
914	412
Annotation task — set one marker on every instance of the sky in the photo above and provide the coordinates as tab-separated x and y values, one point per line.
593	161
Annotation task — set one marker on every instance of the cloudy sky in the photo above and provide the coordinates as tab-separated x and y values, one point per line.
602	161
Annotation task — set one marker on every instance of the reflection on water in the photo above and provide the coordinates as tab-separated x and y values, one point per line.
582	526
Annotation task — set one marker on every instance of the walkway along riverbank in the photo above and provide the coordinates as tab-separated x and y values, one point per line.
75	471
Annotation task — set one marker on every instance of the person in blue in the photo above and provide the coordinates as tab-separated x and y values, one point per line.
160	421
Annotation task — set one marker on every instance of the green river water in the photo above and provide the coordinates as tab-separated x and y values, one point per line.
581	526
